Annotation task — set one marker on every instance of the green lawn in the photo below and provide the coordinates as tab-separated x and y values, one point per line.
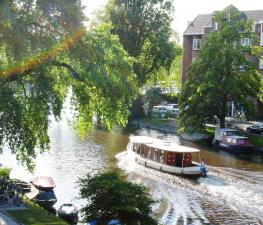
36	215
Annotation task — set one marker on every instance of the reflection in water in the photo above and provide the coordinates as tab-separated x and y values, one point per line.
232	193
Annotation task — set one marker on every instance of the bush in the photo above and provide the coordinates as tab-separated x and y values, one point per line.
5	172
110	196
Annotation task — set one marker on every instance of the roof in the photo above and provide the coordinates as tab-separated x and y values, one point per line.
143	139
205	20
255	15
197	26
163	145
237	137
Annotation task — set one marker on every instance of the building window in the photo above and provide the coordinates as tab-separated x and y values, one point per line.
261	64
245	41
242	68
196	44
216	25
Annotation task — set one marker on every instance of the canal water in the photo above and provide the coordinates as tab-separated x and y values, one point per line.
231	194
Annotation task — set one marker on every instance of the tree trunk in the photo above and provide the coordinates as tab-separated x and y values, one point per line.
222	122
222	117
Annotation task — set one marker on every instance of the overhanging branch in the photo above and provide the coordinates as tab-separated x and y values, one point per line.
73	72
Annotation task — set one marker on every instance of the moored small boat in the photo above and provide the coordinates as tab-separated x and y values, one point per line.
166	156
43	183
231	140
68	212
239	143
24	186
46	199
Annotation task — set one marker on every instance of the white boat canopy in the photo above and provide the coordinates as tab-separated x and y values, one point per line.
162	145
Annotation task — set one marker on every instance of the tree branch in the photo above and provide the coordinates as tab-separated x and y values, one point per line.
73	72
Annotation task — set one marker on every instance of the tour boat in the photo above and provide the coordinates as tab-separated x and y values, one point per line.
166	156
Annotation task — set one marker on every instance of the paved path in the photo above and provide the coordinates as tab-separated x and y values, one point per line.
6	220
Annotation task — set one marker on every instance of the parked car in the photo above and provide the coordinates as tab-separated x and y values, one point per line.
256	128
159	110
170	107
174	112
112	222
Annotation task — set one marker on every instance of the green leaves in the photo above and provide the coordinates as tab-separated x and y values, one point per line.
45	53
110	197
144	30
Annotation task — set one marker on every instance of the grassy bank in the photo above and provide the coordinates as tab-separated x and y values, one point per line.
36	215
160	121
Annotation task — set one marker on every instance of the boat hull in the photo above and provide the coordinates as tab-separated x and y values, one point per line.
236	147
70	214
45	199
185	171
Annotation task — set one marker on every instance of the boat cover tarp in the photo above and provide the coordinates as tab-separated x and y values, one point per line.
43	182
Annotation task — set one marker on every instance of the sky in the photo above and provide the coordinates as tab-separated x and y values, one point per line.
187	10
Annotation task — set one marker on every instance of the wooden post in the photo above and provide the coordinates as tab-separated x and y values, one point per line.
183	161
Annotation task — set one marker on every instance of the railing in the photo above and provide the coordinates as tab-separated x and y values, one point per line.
10	193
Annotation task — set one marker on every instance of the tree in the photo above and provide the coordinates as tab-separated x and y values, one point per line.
144	29
45	50
110	197
153	96
222	73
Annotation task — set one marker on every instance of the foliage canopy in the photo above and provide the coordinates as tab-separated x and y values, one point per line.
144	29
45	50
111	197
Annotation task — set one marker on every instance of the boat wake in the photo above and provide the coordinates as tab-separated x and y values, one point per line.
226	196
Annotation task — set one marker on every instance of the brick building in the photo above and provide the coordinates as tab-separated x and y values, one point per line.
194	37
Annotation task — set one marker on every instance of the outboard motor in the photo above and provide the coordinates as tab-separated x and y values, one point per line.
203	170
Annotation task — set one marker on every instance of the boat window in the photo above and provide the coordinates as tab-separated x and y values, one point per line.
138	149
234	141
156	155
149	154
229	140
162	157
241	141
232	133
135	147
152	153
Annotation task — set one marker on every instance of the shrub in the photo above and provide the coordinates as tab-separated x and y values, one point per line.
5	172
110	196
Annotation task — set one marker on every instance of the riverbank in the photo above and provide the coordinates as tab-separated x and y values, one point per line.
164	125
170	126
35	215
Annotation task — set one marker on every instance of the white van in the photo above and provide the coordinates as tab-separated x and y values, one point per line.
170	107
159	110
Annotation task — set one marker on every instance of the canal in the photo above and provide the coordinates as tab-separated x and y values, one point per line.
231	194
